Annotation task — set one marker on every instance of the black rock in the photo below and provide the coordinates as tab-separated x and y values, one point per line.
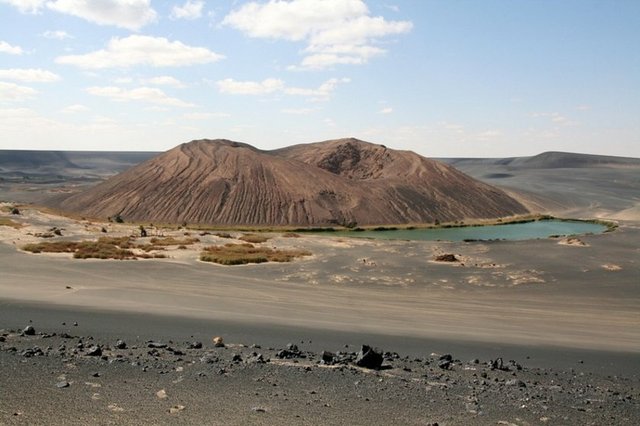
94	351
498	364
2	339
195	345
28	353
258	359
328	357
291	352
120	344
237	358
445	364
29	330
446	357
369	357
156	345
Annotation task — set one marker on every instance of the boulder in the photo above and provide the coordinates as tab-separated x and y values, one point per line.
369	357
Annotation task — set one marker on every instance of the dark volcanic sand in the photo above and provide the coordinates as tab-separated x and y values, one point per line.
206	385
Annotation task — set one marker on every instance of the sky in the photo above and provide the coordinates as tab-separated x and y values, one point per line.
447	78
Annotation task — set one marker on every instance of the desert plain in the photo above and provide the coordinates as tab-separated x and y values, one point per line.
543	331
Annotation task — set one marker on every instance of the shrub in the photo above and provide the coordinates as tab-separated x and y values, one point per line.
254	238
242	254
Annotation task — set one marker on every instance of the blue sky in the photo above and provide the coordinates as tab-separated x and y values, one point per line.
442	78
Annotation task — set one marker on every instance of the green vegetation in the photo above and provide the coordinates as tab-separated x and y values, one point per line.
242	254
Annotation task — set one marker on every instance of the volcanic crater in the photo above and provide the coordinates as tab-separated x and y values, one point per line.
337	182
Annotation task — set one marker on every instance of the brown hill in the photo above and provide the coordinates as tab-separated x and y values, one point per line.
344	181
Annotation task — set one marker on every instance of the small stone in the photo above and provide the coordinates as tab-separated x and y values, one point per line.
195	345
156	345
120	344
62	384
75	324
94	351
176	409
162	394
29	330
444	364
258	410
218	342
515	382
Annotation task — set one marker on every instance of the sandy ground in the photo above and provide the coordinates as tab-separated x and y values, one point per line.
533	292
565	308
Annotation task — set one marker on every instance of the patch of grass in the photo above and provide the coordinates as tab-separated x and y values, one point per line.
160	243
98	250
254	238
5	221
242	254
104	248
110	247
53	247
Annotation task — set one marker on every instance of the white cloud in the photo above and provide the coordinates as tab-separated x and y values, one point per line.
144	94
297	111
387	110
336	31
14	92
7	48
75	108
164	80
205	115
29	75
26	6
554	117
264	87
142	50
130	14
322	93
123	80
583	107
56	35
192	9
489	135
272	85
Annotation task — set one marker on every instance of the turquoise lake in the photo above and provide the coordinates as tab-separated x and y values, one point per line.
512	232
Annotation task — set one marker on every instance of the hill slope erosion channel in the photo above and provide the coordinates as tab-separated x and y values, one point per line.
339	182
